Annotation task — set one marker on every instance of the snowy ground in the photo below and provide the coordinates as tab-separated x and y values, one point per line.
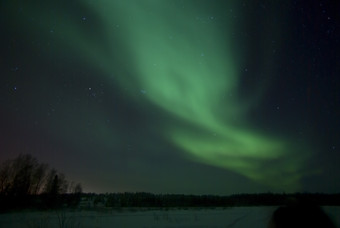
191	218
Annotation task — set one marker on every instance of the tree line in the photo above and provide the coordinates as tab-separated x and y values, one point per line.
144	199
26	182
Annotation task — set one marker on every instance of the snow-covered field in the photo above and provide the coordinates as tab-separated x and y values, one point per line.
191	218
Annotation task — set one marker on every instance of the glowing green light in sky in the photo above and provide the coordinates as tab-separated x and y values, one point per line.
185	63
186	66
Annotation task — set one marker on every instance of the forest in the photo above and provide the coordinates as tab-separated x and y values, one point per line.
143	199
27	184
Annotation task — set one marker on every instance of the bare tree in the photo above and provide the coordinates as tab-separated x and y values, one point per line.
71	187
23	168
78	189
5	177
23	177
56	183
38	178
49	181
75	188
62	184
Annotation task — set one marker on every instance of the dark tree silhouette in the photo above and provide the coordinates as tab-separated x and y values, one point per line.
23	179
5	177
16	175
48	188
78	189
38	179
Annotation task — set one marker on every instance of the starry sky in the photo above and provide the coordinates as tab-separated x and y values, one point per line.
181	96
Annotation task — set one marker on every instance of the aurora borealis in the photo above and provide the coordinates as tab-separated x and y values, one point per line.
174	96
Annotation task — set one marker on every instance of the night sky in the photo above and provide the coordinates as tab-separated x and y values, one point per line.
180	96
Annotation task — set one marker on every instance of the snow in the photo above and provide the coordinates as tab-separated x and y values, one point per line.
237	217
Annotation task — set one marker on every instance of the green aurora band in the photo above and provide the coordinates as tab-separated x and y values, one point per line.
186	65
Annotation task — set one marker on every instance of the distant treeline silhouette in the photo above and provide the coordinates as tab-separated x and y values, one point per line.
143	199
24	182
